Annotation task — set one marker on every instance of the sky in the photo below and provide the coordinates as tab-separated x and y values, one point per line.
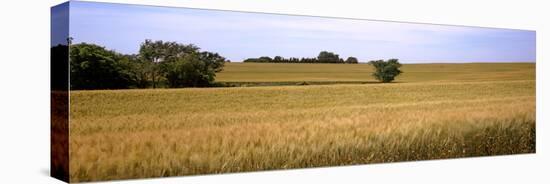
59	29
239	35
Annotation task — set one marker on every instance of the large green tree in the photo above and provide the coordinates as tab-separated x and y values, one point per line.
386	71
137	69
157	64
159	54
94	67
194	70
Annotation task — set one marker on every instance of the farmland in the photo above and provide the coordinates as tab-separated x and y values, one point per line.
432	111
274	72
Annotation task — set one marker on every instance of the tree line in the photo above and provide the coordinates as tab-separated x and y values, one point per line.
161	64
158	64
323	57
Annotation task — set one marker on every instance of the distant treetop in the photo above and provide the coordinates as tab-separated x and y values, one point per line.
323	57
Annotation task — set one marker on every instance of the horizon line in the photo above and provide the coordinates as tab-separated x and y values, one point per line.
452	62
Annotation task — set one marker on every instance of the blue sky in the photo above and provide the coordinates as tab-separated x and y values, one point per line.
59	30
238	35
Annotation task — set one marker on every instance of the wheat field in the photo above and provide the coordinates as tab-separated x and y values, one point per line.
277	72
433	111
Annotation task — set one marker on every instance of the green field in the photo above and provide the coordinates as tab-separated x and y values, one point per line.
275	72
433	111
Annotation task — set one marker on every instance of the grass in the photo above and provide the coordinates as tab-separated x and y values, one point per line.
124	134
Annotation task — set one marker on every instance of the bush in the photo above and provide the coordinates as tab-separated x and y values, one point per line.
352	60
386	71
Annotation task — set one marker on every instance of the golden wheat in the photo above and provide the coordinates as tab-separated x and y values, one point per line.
149	133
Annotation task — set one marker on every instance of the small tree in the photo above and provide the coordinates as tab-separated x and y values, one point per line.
277	59
386	71
352	60
328	57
